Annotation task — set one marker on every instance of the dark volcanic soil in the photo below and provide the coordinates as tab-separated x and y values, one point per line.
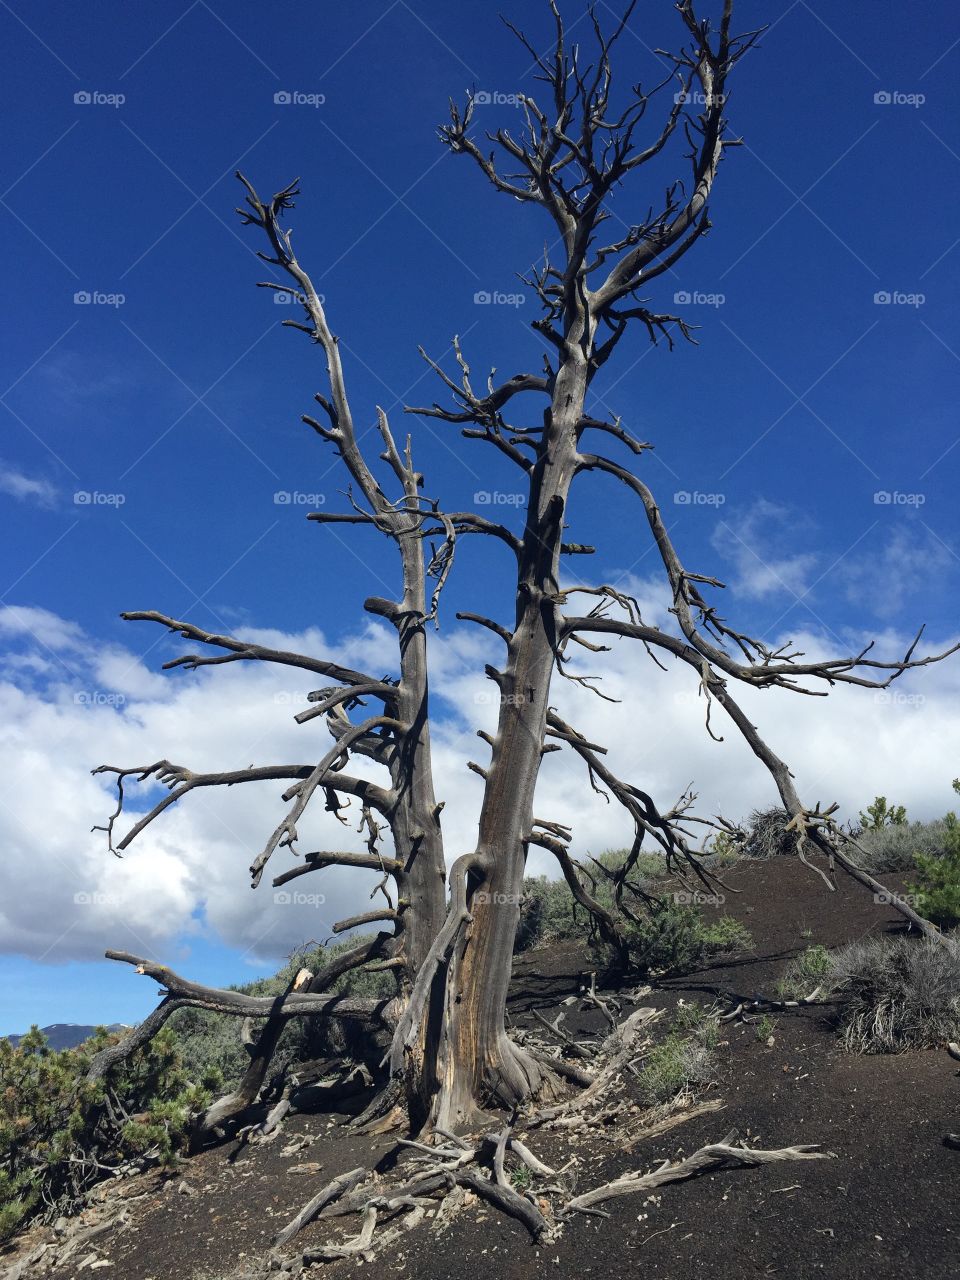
886	1206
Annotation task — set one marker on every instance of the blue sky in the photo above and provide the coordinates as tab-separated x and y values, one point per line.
178	407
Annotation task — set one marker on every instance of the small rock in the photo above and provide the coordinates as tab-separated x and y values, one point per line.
185	1189
312	1166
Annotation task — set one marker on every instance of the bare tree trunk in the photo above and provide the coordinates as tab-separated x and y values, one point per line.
481	1061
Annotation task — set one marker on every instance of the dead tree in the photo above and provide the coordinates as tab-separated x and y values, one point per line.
450	941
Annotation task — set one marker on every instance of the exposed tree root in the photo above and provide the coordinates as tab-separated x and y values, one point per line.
625	1043
332	1191
531	1192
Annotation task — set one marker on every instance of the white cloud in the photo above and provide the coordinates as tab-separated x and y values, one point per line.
26	488
67	897
752	542
907	562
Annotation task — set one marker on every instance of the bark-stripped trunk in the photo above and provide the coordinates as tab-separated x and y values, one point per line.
477	1060
417	836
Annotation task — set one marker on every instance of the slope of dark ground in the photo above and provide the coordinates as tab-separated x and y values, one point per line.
886	1206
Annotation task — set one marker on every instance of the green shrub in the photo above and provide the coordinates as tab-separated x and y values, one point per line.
938	887
58	1133
675	938
880	814
683	1060
209	1040
550	913
804	973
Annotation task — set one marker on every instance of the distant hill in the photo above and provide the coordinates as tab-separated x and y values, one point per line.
67	1035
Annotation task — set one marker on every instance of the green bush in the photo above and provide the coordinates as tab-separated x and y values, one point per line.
937	889
676	938
58	1133
880	814
806	972
211	1041
683	1060
550	913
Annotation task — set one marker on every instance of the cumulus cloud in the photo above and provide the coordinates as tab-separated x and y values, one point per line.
68	703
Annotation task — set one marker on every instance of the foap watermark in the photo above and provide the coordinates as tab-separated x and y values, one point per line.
698	898
297	98
496	98
94	898
897	98
497	899
94	498
297	898
889	899
897	698
697	98
494	298
497	498
294	498
898	298
489	697
98	698
696	298
687	697
894	498
95	298
694	498
291	297
96	98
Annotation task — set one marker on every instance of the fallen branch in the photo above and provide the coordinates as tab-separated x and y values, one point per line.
720	1155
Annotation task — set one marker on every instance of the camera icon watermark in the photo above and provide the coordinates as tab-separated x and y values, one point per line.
94	498
496	98
296	98
694	498
496	298
898	298
696	298
98	698
294	498
697	898
894	498
897	698
291	297
94	98
894	98
95	298
497	498
94	898
697	98
285	898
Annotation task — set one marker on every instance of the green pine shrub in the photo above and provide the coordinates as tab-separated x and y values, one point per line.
59	1134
